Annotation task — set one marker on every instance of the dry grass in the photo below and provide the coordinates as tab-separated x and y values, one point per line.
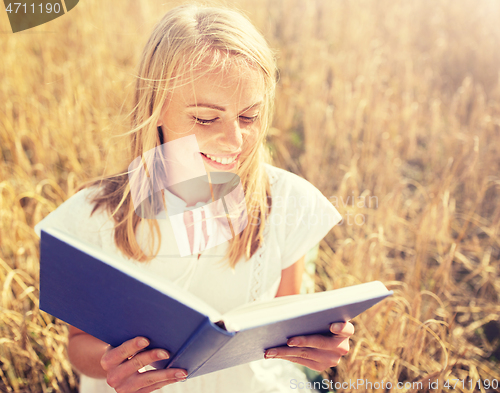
393	103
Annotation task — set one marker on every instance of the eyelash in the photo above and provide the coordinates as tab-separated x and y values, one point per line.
245	119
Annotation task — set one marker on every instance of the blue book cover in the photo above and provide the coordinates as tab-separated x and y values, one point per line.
114	300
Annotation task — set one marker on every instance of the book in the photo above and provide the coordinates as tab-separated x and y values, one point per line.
113	299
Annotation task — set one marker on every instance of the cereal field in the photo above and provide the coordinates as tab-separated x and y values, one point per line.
390	108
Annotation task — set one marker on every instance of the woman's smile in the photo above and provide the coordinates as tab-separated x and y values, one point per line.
219	162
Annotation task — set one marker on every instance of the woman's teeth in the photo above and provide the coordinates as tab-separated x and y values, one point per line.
223	161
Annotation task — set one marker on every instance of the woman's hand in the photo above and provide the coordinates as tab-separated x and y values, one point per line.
317	352
123	363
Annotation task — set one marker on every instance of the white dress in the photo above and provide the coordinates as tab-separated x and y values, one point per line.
300	217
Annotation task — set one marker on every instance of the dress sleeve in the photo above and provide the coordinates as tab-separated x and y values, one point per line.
74	217
309	216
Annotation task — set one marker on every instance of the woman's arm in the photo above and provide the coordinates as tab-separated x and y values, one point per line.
291	279
318	352
85	352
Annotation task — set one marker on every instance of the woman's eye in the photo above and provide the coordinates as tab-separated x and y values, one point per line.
204	121
247	119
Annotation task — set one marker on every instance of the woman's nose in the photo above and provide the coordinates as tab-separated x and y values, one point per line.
232	136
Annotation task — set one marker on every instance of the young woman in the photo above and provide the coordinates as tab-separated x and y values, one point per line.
206	72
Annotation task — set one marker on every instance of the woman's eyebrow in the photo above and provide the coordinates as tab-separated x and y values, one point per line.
220	108
210	106
251	106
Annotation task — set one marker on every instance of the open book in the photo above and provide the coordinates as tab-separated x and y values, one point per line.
115	300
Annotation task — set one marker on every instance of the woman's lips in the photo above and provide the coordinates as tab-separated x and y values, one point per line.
221	165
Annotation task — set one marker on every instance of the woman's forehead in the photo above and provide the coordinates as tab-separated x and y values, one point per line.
237	84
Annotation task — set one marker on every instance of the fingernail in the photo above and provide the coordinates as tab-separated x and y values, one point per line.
271	353
336	327
293	342
162	355
180	374
143	342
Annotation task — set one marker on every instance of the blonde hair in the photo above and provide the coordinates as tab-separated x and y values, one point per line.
183	39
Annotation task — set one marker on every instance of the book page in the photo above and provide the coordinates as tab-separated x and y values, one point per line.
286	307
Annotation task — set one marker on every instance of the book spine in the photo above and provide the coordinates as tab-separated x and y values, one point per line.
201	346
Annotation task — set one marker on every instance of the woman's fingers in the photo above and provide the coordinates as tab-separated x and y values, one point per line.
157	386
151	380
345	329
133	365
318	352
123	363
115	356
328	358
328	343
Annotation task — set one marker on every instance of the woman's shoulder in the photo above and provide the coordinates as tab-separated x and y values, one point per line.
285	183
77	216
293	195
300	215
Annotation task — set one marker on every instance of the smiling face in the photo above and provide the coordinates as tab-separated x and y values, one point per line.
221	108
